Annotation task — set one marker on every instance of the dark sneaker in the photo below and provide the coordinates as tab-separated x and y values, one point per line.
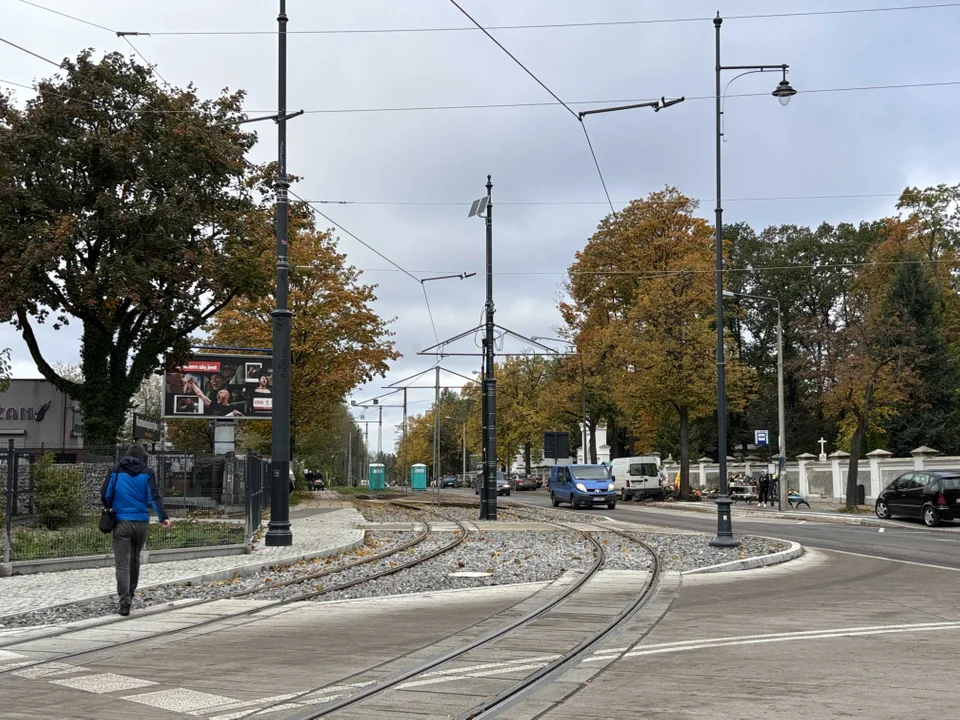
124	607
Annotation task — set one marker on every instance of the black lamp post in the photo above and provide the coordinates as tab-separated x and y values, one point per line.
783	92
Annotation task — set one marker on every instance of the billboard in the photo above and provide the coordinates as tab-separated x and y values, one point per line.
145	428
225	386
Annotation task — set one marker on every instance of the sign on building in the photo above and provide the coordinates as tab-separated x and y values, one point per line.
226	386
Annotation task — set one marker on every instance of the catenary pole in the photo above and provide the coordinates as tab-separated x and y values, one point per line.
278	530
490	383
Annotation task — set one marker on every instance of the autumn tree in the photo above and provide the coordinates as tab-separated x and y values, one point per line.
644	279
878	348
125	208
337	341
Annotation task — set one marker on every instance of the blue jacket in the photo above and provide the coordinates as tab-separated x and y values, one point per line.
131	490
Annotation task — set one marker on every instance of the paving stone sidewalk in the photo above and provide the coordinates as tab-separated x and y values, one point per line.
312	534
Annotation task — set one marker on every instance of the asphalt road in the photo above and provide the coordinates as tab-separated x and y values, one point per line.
899	541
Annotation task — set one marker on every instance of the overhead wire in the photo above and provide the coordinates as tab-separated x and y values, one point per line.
428	203
556	97
315	210
31	52
542	26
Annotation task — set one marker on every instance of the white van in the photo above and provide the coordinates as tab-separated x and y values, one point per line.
636	477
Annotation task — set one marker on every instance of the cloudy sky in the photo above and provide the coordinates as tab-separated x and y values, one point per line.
411	174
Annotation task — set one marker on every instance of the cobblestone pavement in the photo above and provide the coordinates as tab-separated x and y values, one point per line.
312	533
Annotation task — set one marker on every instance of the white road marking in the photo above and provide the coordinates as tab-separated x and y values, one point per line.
53	668
103	683
237	704
905	562
180	700
710	643
881	529
802	522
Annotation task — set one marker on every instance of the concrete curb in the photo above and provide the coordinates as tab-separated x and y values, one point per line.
838	519
214	576
794	551
85	562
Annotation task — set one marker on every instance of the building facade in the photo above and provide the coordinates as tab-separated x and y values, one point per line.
35	414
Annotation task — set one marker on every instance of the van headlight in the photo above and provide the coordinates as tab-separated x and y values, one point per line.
610	486
581	487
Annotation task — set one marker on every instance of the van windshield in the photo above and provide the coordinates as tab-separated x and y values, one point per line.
590	472
643	470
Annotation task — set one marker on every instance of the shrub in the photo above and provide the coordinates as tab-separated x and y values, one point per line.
59	495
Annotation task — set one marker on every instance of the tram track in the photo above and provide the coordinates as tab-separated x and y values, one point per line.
460	535
492	706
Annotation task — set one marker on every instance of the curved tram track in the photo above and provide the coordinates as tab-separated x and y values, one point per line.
529	684
246	594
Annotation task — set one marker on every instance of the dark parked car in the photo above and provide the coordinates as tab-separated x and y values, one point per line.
449	481
931	495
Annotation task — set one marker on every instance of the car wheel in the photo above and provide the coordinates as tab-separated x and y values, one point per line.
930	517
612	505
623	495
553	499
881	509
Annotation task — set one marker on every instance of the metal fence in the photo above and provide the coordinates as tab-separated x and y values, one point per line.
52	500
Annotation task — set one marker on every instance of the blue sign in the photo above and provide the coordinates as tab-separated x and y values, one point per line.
761	437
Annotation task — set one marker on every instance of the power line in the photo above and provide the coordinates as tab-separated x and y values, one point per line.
423	286
654	275
496	106
520	203
597	164
547	26
152	66
31	52
63	14
556	97
514	58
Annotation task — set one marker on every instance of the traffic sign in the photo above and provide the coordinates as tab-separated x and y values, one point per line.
761	437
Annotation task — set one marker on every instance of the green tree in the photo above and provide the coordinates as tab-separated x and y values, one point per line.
130	210
643	283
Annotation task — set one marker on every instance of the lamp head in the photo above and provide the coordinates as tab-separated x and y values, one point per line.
784	90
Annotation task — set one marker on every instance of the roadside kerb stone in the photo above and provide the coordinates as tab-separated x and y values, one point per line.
794	551
347	536
838	519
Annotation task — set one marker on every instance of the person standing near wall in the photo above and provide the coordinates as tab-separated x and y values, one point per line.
131	490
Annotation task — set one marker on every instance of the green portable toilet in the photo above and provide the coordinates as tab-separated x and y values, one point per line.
375	476
418	477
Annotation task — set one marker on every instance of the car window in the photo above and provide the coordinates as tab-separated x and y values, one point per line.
950	483
902	482
917	481
643	470
591	472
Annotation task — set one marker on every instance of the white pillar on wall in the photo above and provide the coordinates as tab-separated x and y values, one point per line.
803	485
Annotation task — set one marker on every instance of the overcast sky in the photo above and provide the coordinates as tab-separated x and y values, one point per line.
869	142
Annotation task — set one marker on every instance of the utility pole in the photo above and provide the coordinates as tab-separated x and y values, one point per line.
488	509
436	434
350	459
405	474
379	432
278	530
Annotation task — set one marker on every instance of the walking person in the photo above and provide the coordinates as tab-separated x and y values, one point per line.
764	486
131	490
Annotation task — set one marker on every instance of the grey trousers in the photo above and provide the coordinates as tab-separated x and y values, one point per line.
128	541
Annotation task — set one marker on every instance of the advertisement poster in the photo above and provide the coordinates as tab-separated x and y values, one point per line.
225	386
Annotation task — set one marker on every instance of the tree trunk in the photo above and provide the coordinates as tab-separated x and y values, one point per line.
105	393
526	459
853	467
684	451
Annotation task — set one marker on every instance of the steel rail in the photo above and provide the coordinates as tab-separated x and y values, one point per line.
253	611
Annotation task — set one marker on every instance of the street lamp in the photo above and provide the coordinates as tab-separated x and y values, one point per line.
782	429
783	92
583	393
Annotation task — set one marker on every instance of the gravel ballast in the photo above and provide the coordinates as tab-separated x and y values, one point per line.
376	542
508	557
